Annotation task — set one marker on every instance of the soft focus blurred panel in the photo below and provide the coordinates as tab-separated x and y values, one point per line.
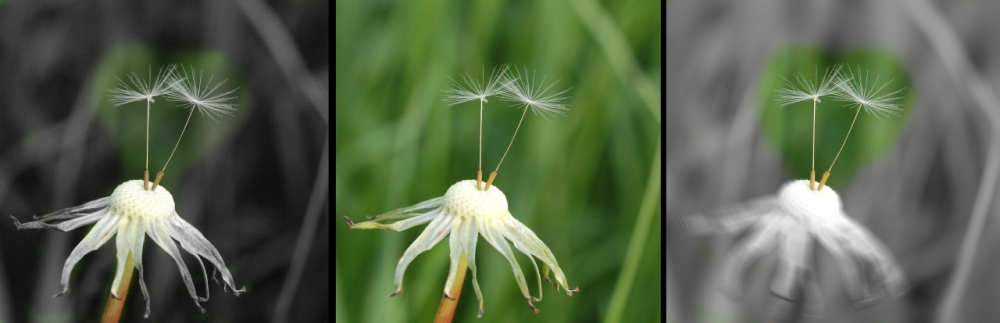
920	182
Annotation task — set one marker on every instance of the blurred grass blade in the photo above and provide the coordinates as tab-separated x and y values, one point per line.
638	242
616	48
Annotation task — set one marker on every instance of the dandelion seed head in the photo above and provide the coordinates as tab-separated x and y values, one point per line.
476	89
811	89
193	93
529	96
869	96
139	89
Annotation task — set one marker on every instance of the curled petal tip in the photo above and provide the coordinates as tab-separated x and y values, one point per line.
396	292
16	222
573	291
349	222
480	315
532	306
237	292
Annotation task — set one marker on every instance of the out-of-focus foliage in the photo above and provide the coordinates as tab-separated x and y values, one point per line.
577	181
789	129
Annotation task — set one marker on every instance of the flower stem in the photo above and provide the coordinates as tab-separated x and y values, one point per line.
812	171
113	311
145	175
446	311
479	174
827	174
494	174
160	174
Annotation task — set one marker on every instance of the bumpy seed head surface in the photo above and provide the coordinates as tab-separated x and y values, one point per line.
130	200
464	200
799	200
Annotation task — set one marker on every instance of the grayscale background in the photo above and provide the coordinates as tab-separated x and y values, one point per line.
918	197
255	184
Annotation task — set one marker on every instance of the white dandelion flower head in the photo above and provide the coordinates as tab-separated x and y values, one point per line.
527	95
811	89
789	224
868	96
139	89
476	89
193	93
132	212
466	213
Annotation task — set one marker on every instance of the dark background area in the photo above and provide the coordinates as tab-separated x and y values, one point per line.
256	185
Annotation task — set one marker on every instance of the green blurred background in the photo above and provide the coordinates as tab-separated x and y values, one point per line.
588	184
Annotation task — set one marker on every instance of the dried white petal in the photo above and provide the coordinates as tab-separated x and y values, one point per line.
94	239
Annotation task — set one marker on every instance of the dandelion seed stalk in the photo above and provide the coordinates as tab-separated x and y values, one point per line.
446	310
479	173
145	174
113	311
812	171
159	175
826	175
493	175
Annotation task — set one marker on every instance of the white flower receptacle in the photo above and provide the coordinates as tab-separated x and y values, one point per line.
130	200
463	200
809	205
